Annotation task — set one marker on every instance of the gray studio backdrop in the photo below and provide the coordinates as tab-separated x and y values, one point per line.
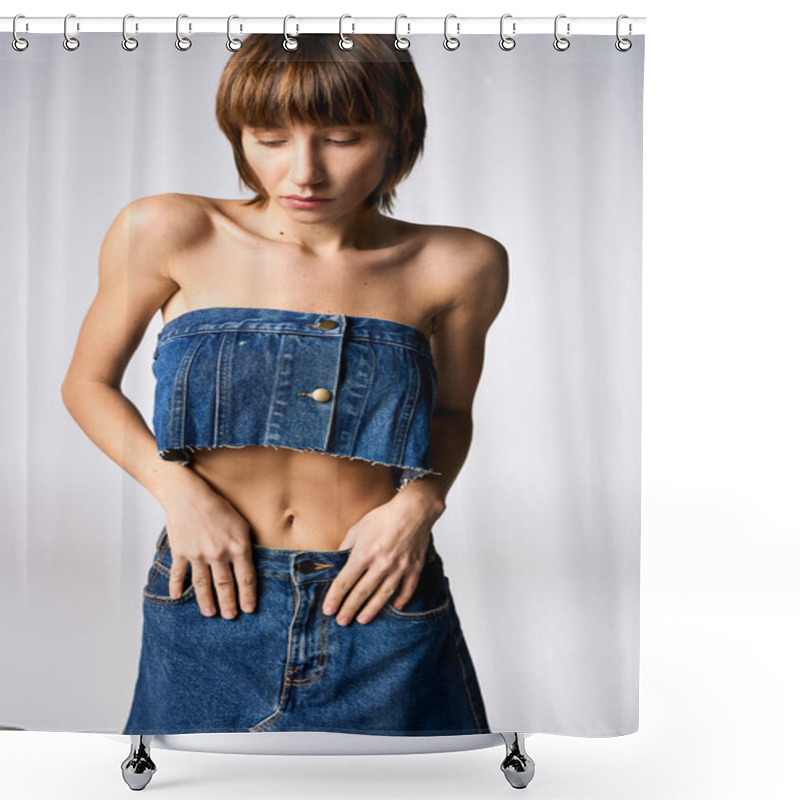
541	537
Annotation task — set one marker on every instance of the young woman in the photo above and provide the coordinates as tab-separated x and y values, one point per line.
314	381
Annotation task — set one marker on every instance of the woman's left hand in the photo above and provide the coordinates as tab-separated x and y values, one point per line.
389	547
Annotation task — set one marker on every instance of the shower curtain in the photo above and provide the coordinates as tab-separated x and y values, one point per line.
537	148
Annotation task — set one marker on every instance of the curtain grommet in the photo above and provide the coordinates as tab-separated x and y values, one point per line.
345	42
401	42
622	44
17	41
507	42
289	42
182	42
70	42
561	43
233	44
129	43
451	42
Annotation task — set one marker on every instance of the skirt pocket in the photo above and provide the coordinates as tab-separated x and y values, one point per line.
431	598
156	590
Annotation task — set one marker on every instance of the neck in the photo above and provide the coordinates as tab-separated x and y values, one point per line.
357	230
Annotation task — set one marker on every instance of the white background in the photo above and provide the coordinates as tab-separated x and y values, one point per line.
720	442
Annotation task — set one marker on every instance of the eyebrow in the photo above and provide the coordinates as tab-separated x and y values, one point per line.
321	127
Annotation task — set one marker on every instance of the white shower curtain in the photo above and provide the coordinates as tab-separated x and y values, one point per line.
539	149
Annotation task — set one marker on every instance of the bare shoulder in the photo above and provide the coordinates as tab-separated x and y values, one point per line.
134	281
474	268
452	236
161	227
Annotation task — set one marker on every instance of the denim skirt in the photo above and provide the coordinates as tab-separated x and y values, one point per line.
289	667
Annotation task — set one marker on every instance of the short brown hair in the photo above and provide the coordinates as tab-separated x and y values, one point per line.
264	85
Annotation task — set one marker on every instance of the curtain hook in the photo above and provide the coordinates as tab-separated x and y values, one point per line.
289	42
70	42
451	42
233	44
400	42
182	42
17	42
507	42
623	45
345	42
561	43
128	42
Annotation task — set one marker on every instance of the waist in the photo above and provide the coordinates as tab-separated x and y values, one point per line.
302	565
295	500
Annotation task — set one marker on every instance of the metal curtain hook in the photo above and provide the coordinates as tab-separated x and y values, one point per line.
182	42
233	44
507	42
128	42
17	42
623	45
289	42
400	42
70	42
560	42
451	42
345	42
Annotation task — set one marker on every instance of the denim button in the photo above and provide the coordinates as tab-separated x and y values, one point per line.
305	567
326	324
320	395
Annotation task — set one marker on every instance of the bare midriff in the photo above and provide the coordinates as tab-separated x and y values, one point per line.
295	500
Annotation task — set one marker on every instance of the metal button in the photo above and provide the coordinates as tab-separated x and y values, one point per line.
326	324
306	567
320	395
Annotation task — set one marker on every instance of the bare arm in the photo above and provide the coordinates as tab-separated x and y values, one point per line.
479	282
133	284
204	528
458	345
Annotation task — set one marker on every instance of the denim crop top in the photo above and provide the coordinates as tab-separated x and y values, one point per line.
355	387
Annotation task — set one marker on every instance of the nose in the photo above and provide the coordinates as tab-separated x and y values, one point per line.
306	166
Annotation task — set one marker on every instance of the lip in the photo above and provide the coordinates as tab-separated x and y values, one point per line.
311	201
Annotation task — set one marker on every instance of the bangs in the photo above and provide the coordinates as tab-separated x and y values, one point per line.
317	93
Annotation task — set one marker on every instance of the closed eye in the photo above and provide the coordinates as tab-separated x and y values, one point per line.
276	142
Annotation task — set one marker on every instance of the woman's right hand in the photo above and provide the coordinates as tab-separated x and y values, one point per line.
208	532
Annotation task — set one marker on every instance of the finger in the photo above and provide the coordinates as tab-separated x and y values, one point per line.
341	585
409	586
360	593
201	578
177	575
226	591
378	600
246	580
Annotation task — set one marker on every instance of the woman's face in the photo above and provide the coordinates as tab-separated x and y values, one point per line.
342	164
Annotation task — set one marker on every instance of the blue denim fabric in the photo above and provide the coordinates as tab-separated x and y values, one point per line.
232	377
289	667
